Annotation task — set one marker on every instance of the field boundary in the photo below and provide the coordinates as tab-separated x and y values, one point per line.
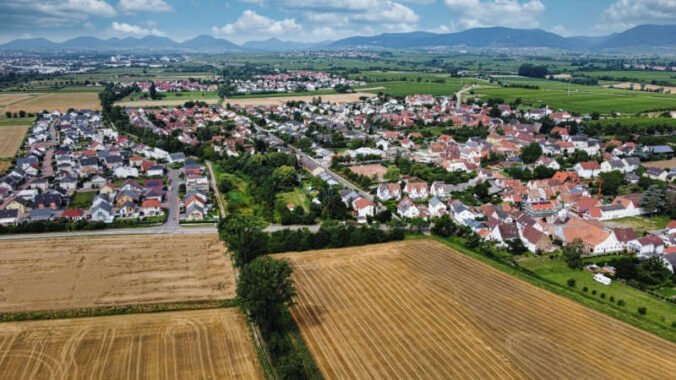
534	279
42	315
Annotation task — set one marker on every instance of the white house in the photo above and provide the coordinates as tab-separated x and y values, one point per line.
588	169
416	190
646	247
125	171
438	189
437	208
406	208
363	208
387	191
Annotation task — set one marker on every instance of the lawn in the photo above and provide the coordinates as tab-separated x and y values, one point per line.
82	200
174	95
296	197
410	87
4	122
660	312
640	223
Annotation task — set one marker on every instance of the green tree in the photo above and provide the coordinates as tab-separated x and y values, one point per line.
244	237
654	199
265	288
611	182
284	177
444	226
224	185
516	247
392	173
418	224
572	254
653	271
531	152
153	91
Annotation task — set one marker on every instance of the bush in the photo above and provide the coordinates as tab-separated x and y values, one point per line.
571	282
642	310
620	303
594	291
612	299
603	295
584	289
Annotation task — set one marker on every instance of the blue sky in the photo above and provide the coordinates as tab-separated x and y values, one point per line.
317	20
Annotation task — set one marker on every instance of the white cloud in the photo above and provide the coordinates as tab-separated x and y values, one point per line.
144	6
254	26
510	13
560	30
623	14
50	13
134	30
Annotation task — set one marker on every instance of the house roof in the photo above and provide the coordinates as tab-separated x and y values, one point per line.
508	231
624	234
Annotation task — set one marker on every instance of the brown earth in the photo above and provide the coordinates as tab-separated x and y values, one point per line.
203	344
4	165
60	101
65	273
10	139
370	170
663	164
418	309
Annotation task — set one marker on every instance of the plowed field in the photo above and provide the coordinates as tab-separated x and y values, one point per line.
204	344
65	273
419	309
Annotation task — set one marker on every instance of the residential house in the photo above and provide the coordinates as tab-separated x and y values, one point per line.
387	191
589	169
436	207
534	240
406	208
646	247
416	190
363	208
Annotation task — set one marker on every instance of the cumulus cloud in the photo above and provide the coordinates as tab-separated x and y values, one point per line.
623	14
144	6
122	28
254	26
510	13
48	13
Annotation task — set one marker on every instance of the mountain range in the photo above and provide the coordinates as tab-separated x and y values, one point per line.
640	37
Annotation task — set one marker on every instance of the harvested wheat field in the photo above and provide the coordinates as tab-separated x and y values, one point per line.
277	100
203	344
7	99
4	165
65	273
60	101
647	87
419	309
11	138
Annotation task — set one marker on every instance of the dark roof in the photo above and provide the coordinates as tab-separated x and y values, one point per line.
508	231
624	234
13	213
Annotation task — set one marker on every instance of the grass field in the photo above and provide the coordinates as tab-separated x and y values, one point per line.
8	122
61	101
204	344
68	273
660	312
11	138
406	83
640	223
582	99
82	199
418	308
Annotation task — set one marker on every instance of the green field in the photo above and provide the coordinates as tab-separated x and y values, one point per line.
660	312
635	76
4	121
283	94
82	200
582	99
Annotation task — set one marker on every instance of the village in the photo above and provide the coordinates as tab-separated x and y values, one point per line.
298	81
76	170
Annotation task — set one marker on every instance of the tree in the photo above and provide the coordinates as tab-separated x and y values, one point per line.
572	254
653	199
244	237
444	226
531	153
516	247
284	177
611	182
224	185
530	70
153	91
384	216
653	271
418	224
8	114
265	287
392	173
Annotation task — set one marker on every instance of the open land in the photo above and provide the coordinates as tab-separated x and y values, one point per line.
203	344
662	164
67	273
371	170
7	99
647	87
10	139
61	101
400	310
4	165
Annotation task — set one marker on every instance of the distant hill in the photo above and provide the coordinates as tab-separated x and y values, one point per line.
274	44
641	37
645	36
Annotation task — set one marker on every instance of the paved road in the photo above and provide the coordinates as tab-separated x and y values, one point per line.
173	208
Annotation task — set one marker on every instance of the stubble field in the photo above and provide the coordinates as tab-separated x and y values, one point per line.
66	273
10	139
203	344
60	101
420	309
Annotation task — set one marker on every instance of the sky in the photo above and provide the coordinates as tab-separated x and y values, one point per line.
317	20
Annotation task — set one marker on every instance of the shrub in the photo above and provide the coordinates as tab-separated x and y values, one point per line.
584	289
612	299
594	291
642	310
603	295
620	303
571	282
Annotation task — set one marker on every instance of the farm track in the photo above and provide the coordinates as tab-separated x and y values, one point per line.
420	309
205	344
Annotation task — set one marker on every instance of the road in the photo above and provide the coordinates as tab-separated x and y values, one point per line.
458	95
214	187
173	209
